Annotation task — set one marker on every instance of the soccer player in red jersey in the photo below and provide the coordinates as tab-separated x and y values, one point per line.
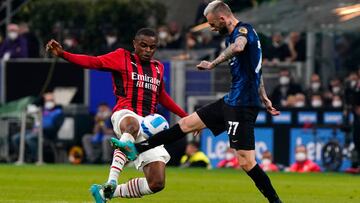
138	86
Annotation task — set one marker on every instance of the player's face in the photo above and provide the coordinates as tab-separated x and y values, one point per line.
217	23
145	47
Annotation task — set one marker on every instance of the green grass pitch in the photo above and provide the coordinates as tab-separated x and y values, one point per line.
69	183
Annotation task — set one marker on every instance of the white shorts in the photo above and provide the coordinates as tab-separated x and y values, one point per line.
156	154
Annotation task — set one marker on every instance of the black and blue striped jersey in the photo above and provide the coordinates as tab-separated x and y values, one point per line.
245	68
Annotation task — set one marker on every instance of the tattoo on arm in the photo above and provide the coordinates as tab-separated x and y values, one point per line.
230	51
262	90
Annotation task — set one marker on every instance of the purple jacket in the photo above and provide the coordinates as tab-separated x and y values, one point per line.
17	48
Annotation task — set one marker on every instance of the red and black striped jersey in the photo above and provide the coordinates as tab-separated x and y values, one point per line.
137	85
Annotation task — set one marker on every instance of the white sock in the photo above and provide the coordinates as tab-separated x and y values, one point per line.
134	188
127	137
119	160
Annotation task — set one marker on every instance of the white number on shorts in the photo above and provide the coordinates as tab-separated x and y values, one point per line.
232	127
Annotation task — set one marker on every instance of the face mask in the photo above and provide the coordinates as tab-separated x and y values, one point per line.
299	104
104	114
336	103
266	161
284	80
163	35
49	105
336	90
353	83
199	39
13	35
68	42
300	156
229	156
111	40
316	103
315	86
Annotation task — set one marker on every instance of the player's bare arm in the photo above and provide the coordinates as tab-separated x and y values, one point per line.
55	48
235	48
264	98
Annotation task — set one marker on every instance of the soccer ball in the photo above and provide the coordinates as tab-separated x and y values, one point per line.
153	124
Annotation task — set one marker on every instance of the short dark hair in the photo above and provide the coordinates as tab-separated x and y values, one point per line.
146	32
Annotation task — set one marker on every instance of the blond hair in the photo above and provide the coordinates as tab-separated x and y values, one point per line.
217	7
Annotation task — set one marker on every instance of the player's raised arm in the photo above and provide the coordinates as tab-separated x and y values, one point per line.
82	60
108	61
235	48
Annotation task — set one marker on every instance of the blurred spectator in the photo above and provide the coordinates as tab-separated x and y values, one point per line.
193	157
53	118
335	88
230	161
102	133
285	88
164	36
302	163
111	43
352	86
297	47
290	101
336	102
14	45
352	81
353	104
71	44
176	39
276	51
315	87
190	43
316	101
32	41
267	162
300	101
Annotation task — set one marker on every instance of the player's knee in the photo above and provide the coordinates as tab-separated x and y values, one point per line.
246	163
130	125
156	185
185	125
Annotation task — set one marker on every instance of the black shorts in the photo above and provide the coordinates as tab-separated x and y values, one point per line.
239	122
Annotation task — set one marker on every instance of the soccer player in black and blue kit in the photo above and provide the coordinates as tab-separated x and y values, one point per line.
235	113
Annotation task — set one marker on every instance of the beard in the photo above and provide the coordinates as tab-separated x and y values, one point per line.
223	30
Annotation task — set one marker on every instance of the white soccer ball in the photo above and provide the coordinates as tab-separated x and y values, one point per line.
153	124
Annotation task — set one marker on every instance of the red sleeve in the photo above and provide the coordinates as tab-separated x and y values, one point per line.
169	103
314	167
113	60
293	167
221	164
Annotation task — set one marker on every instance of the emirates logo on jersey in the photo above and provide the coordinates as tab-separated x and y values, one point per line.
145	81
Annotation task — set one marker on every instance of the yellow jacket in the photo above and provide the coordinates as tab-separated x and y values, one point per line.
199	159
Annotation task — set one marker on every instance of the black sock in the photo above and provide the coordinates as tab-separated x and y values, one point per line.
263	183
164	137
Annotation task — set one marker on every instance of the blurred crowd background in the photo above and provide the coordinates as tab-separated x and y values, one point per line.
306	65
